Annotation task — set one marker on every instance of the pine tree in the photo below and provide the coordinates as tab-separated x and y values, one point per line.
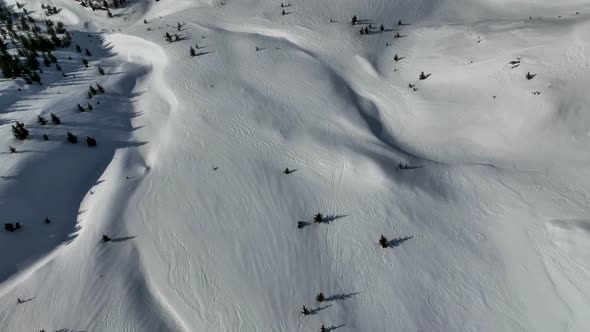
530	76
92	90
85	62
305	311
382	28
45	137
55	119
90	108
12	149
81	109
78	48
41	120
105	238
47	221
192	51
354	20
283	13
383	242
396	58
90	141
320	297
318	218
19	131
88	52
100	70
100	88
72	138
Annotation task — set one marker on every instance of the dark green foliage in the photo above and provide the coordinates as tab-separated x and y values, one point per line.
320	297
354	20
382	28
81	109
41	120
100	70
72	138
383	242
85	62
55	119
193	52
88	52
78	48
318	218
45	137
90	108
100	88
90	141
92	90
12	149
19	131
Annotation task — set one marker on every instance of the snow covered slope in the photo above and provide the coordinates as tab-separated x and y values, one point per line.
490	223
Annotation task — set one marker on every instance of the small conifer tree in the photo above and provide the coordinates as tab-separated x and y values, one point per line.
72	138
383	242
318	218
320	297
55	119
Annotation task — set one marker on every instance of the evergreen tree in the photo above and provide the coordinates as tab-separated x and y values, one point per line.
100	88
55	119
85	62
320	297
90	108
105	238
318	218
354	20
41	120
88	52
80	108
396	58
78	48
9	227
530	76
19	131
90	141
45	137
100	70
383	242
72	138
305	311
382	28
12	149
92	90
47	221
283	13
192	51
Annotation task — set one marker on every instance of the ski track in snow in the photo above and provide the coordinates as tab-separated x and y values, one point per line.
491	225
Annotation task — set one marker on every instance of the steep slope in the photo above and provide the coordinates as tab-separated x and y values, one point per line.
488	224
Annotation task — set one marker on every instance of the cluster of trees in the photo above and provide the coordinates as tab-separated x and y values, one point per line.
92	91
10	227
49	9
103	5
22	41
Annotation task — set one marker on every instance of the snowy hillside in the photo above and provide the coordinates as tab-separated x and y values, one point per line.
488	226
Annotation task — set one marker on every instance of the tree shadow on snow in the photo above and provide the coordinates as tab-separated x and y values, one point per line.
123	239
318	309
341	297
332	328
397	242
330	218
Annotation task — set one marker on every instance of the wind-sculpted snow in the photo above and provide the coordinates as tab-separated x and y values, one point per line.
486	219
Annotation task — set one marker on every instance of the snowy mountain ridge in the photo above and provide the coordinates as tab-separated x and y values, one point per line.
474	172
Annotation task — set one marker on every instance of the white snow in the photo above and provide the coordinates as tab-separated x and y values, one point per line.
493	215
